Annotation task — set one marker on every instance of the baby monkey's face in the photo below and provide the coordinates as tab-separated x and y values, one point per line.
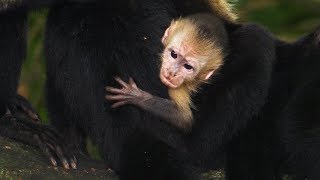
179	64
187	57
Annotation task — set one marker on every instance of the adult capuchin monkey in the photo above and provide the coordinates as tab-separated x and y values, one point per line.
195	47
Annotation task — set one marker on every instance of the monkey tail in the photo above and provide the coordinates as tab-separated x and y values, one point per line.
224	8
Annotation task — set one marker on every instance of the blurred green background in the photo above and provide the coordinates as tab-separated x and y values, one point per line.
287	19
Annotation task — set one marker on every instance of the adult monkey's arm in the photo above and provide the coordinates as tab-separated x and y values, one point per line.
16	114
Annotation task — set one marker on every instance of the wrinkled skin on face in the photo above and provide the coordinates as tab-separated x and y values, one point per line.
177	67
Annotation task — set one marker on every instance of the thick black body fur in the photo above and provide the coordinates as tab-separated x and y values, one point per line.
13	33
264	107
15	119
13	50
282	137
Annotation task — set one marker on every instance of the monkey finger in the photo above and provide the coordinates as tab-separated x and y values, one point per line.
45	150
75	159
121	82
73	164
20	105
117	97
24	104
33	115
69	160
69	154
8	112
50	145
115	90
132	83
62	158
49	135
13	108
120	103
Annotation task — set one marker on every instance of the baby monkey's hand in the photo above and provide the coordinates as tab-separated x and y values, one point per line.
128	94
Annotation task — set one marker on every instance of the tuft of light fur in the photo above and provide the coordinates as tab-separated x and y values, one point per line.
182	98
224	9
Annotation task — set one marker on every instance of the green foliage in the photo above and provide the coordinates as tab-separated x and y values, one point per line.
288	19
33	74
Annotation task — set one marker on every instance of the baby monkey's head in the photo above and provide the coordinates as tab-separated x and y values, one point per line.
194	49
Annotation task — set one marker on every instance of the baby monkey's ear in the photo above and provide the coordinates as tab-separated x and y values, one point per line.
165	36
168	31
209	74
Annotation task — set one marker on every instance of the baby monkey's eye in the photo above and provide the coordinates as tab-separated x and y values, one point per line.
174	55
187	66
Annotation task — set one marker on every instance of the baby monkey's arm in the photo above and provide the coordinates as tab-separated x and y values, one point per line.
129	93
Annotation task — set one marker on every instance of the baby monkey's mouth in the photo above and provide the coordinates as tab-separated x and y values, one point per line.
167	82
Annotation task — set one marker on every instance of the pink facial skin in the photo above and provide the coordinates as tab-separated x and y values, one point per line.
176	68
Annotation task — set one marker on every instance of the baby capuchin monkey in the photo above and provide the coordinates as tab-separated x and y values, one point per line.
194	50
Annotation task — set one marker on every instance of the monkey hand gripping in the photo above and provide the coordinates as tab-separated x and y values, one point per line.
21	122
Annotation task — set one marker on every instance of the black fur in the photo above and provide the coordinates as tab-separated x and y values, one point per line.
25	5
15	119
264	106
234	97
18	120
13	51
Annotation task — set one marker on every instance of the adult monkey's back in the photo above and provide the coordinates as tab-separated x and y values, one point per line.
86	46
